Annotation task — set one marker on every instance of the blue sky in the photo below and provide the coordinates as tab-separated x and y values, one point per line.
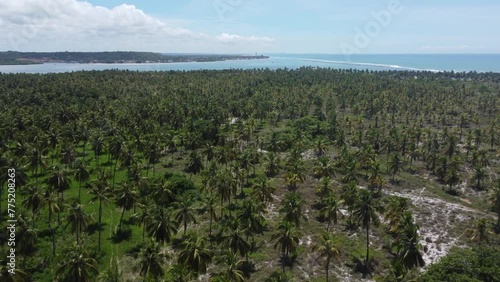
248	26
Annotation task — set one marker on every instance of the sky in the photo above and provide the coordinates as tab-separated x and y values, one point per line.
252	26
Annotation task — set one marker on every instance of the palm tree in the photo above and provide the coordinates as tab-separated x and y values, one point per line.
162	192
26	238
234	240
452	178
209	206
349	195
331	210
326	248
320	146
51	200
142	218
408	242
479	174
271	164
125	197
152	260
161	225
33	199
292	206
365	212
494	199
325	168
263	190
480	233
195	164
113	274
286	240
231	267
185	212
194	254
101	192
395	164
78	219
291	181
324	188
97	147
77	265
81	175
396	206
59	181
152	155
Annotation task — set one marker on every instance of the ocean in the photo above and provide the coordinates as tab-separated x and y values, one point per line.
435	63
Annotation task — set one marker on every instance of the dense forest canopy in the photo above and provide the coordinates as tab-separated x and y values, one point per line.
260	175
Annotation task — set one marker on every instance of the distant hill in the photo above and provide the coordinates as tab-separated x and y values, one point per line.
22	58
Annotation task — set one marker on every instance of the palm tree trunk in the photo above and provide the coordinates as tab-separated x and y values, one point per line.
79	190
283	258
367	248
210	228
114	174
327	267
121	218
1	191
99	225
53	235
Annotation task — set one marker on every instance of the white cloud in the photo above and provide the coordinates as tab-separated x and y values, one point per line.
234	38
51	25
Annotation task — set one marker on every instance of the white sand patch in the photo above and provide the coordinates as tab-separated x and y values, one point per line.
437	217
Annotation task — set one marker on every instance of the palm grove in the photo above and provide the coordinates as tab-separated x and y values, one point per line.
168	176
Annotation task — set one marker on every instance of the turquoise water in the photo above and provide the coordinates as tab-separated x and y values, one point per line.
458	63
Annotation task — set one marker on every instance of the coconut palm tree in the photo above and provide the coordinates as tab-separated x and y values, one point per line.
125	197
195	163
395	164
494	199
331	210
77	265
365	213
231	267
324	188
263	190
291	207
326	247
81	174
101	192
271	164
395	207
194	254
51	201
185	212
112	274
142	218
59	181
152	260
209	205
161	226
286	240
324	168
408	243
478	175
78	219
33	199
26	237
